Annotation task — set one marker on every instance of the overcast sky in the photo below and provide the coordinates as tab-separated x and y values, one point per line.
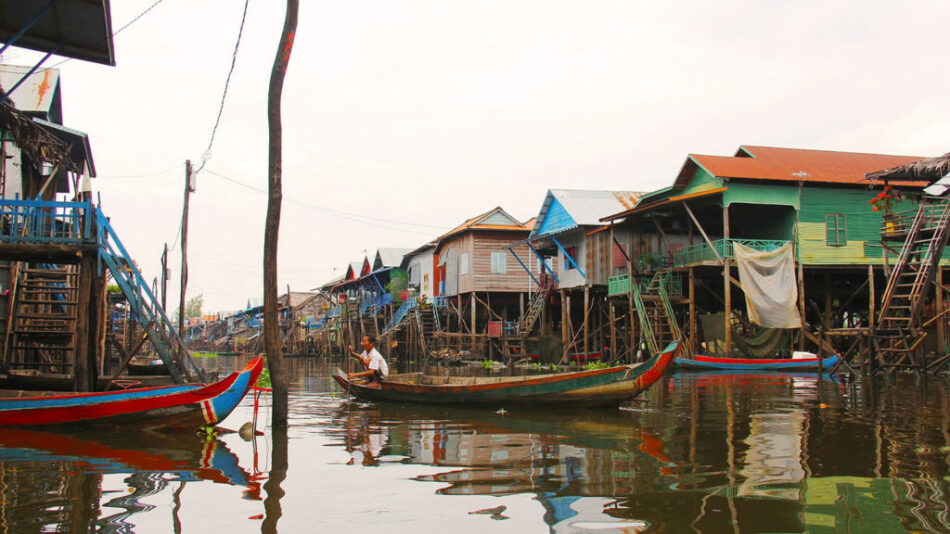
403	118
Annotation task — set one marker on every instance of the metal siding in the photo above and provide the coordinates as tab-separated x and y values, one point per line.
555	219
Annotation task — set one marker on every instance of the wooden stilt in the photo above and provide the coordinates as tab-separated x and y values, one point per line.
692	342
801	305
942	322
872	297
586	321
613	330
83	372
727	284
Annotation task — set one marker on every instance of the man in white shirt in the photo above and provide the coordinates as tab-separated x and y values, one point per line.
376	367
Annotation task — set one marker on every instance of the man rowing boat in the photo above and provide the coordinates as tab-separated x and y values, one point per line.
376	367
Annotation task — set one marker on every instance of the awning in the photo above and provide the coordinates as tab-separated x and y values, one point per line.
665	202
82	29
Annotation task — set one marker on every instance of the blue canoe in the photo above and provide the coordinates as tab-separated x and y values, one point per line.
699	361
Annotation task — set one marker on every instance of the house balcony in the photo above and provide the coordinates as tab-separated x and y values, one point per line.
620	284
703	254
46	222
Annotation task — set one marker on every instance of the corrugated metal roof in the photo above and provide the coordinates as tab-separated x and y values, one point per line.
389	257
584	207
82	27
476	223
38	94
792	165
587	207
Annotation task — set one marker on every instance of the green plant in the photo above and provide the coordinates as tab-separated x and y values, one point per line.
488	364
590	366
263	381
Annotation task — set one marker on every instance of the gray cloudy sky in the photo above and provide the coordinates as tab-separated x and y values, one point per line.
403	118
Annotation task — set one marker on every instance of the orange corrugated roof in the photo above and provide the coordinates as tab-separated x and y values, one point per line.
473	223
794	164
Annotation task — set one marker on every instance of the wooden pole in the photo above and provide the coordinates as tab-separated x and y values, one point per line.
634	347
872	298
942	322
184	252
613	330
472	323
801	305
586	321
692	312
727	284
275	363
83	372
829	322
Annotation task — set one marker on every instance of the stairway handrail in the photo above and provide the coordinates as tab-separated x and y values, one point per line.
108	239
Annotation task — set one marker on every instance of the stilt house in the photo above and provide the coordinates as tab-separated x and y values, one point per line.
683	241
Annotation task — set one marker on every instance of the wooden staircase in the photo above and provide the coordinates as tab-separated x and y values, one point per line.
657	320
898	333
43	319
531	315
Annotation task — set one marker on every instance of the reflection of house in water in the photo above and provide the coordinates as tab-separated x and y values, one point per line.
773	463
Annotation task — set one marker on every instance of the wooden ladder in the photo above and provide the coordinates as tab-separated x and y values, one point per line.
531	315
897	335
43	318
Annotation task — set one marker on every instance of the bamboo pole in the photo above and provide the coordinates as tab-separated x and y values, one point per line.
727	284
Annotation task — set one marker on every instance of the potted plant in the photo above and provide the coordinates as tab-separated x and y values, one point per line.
884	202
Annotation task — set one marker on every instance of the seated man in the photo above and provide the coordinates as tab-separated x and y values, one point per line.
376	367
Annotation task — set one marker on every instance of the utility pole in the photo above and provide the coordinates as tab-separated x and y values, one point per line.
164	277
189	188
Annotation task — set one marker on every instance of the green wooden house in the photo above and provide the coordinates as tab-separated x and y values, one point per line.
764	197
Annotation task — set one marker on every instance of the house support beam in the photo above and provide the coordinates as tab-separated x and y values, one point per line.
703	232
586	322
727	284
568	257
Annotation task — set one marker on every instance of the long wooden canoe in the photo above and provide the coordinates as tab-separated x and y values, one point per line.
186	406
699	361
597	387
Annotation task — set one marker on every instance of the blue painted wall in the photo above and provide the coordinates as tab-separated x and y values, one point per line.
556	218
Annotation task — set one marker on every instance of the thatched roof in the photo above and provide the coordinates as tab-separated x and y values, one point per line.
929	169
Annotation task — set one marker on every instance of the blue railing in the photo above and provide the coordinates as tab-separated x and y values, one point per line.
400	314
42	221
149	313
440	302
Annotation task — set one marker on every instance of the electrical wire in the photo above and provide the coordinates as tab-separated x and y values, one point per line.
207	154
373	221
117	32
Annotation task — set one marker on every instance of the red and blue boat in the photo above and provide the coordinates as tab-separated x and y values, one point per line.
699	361
597	387
184	406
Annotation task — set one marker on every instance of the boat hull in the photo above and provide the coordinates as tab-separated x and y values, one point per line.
750	364
187	406
599	387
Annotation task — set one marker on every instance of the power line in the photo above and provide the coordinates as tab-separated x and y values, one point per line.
207	154
346	215
117	32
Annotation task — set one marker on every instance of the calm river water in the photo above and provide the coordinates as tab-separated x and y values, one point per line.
698	452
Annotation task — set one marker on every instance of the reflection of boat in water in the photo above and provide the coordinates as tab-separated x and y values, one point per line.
598	387
74	469
187	406
189	456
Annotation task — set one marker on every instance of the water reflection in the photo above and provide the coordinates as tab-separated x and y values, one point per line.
55	481
699	452
703	453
